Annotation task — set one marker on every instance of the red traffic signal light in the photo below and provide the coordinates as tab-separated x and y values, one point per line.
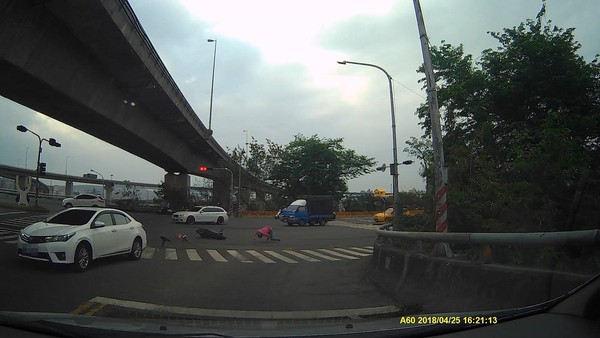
204	168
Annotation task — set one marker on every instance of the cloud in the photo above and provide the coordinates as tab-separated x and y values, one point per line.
276	73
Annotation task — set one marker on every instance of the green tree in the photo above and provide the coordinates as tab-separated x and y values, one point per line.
260	160
318	166
422	149
522	129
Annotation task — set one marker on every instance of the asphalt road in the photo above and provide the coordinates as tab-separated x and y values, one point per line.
312	268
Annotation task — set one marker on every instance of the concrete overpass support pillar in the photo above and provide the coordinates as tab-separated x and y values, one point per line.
221	196
245	200
177	189
108	190
260	200
69	188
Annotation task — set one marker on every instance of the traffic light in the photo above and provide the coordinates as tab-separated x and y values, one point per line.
204	168
42	168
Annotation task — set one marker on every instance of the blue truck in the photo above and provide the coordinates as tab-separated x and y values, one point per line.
312	209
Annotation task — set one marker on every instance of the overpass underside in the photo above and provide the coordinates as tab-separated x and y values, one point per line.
89	64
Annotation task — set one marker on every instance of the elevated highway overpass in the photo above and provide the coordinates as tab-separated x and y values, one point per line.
90	64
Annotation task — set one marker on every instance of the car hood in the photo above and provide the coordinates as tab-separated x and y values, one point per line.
185	212
47	229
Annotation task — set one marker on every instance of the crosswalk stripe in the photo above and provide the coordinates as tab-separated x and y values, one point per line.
193	255
148	252
12	212
260	256
302	256
281	257
367	250
239	256
11	242
217	256
9	237
350	252
171	253
82	307
320	255
334	253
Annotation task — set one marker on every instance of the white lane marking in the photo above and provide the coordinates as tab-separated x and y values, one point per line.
333	253
320	255
355	253
217	256
11	242
171	254
239	256
260	256
302	256
12	213
148	252
367	250
281	257
193	255
9	236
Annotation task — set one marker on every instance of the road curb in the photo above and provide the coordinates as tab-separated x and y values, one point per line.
178	311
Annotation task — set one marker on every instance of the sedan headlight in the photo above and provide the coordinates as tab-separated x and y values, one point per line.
58	238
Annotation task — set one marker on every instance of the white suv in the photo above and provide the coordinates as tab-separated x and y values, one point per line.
201	214
84	200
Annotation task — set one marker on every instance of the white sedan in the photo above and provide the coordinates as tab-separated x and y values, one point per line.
201	214
79	235
84	200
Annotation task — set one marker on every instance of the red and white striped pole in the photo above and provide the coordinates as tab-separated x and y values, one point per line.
441	208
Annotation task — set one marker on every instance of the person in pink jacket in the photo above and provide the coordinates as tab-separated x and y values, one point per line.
266	231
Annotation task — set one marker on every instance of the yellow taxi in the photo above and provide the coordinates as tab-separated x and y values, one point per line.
386	216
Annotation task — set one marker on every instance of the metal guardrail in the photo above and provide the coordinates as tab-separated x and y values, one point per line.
532	239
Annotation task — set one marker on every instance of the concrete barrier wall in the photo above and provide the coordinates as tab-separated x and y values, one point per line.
434	284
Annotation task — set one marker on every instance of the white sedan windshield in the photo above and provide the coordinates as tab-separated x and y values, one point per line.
72	217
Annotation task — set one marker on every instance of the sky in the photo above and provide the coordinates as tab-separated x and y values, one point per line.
276	75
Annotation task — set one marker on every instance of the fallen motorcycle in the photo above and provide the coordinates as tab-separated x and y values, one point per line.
207	233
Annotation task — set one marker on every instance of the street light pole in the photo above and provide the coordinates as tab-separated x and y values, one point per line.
394	166
212	85
51	142
239	200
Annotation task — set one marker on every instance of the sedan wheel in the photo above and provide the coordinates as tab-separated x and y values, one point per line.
136	249
68	205
220	220
190	220
83	256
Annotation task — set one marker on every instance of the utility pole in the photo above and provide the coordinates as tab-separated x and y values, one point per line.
441	171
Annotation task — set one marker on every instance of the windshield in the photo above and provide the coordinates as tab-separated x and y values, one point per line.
72	217
291	208
478	120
